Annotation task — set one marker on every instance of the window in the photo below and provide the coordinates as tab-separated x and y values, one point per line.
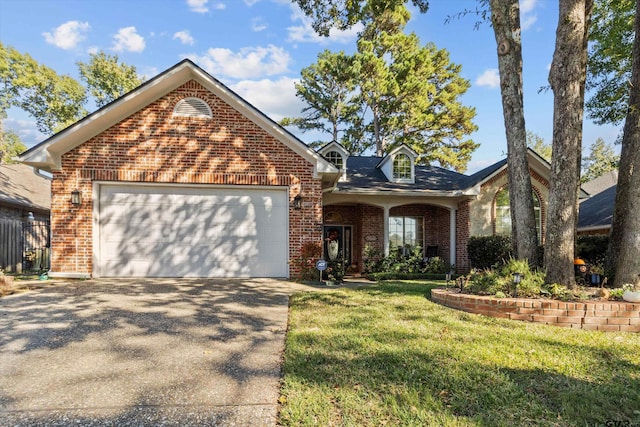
401	167
335	158
192	107
405	233
503	213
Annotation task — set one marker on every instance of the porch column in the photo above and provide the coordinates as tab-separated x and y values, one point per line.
452	236
386	230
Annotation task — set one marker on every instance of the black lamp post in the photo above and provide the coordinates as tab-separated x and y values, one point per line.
517	278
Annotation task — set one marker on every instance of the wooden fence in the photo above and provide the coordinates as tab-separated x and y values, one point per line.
24	246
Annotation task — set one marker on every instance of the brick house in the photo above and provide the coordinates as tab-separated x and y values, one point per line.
183	178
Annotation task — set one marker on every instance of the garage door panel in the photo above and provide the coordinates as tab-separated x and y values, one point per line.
192	231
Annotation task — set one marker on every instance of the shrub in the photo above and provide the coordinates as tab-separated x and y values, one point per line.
372	259
306	262
592	248
488	251
500	281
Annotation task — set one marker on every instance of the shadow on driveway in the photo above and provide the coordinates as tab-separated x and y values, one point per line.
143	352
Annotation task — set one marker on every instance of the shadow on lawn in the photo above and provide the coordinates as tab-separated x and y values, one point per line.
426	362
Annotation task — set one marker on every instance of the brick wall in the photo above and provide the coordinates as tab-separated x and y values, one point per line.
153	146
597	315
463	228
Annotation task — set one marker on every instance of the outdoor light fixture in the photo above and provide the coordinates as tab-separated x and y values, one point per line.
76	198
30	217
448	277
297	202
595	279
517	278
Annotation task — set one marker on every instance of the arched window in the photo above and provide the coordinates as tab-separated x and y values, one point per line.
502	211
401	166
335	158
192	107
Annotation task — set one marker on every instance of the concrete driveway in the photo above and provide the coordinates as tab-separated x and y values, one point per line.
143	352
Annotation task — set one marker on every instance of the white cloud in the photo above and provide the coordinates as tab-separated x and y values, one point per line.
93	50
184	36
257	24
198	6
250	2
26	130
276	98
305	33
219	6
249	62
490	78
527	17
128	40
527	6
67	35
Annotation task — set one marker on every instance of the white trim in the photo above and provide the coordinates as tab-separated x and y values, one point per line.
453	231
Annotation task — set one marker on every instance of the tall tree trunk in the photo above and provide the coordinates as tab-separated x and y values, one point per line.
624	246
505	16
567	78
380	148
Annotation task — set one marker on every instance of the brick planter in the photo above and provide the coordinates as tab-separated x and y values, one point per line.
593	315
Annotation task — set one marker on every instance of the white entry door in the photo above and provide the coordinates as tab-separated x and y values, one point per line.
191	231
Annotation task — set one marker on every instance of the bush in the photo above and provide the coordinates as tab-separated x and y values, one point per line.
500	281
306	262
488	251
372	259
592	248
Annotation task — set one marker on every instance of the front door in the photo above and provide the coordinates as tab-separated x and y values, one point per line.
337	243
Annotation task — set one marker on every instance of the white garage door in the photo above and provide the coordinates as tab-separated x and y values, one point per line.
171	231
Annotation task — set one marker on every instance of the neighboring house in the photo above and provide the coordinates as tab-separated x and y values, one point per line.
25	198
182	177
596	212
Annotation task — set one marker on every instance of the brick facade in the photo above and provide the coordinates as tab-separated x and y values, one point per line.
153	146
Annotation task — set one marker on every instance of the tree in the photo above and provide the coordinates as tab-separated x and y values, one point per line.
601	160
610	59
327	14
505	17
567	80
327	87
538	144
10	146
54	101
624	244
106	79
406	93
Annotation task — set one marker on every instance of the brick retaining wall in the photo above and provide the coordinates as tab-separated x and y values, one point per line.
592	315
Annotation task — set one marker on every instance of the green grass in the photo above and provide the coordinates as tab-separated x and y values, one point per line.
387	355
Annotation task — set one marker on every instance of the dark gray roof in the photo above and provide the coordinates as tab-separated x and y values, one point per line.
601	183
362	174
485	173
20	185
597	210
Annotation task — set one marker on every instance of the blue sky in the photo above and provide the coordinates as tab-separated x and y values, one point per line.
258	47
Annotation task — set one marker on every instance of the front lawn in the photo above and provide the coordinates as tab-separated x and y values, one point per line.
387	355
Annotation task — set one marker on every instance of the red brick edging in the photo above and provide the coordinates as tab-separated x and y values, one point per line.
592	315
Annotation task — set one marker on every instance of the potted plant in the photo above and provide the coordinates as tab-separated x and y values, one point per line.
631	292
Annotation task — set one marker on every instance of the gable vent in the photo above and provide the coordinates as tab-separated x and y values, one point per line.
192	107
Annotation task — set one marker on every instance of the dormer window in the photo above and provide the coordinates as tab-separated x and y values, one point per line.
401	166
193	107
335	158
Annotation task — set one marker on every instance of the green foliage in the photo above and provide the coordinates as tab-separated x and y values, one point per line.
54	101
106	79
592	248
610	60
495	281
602	159
398	266
10	146
372	259
537	144
488	251
335	271
391	91
306	261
